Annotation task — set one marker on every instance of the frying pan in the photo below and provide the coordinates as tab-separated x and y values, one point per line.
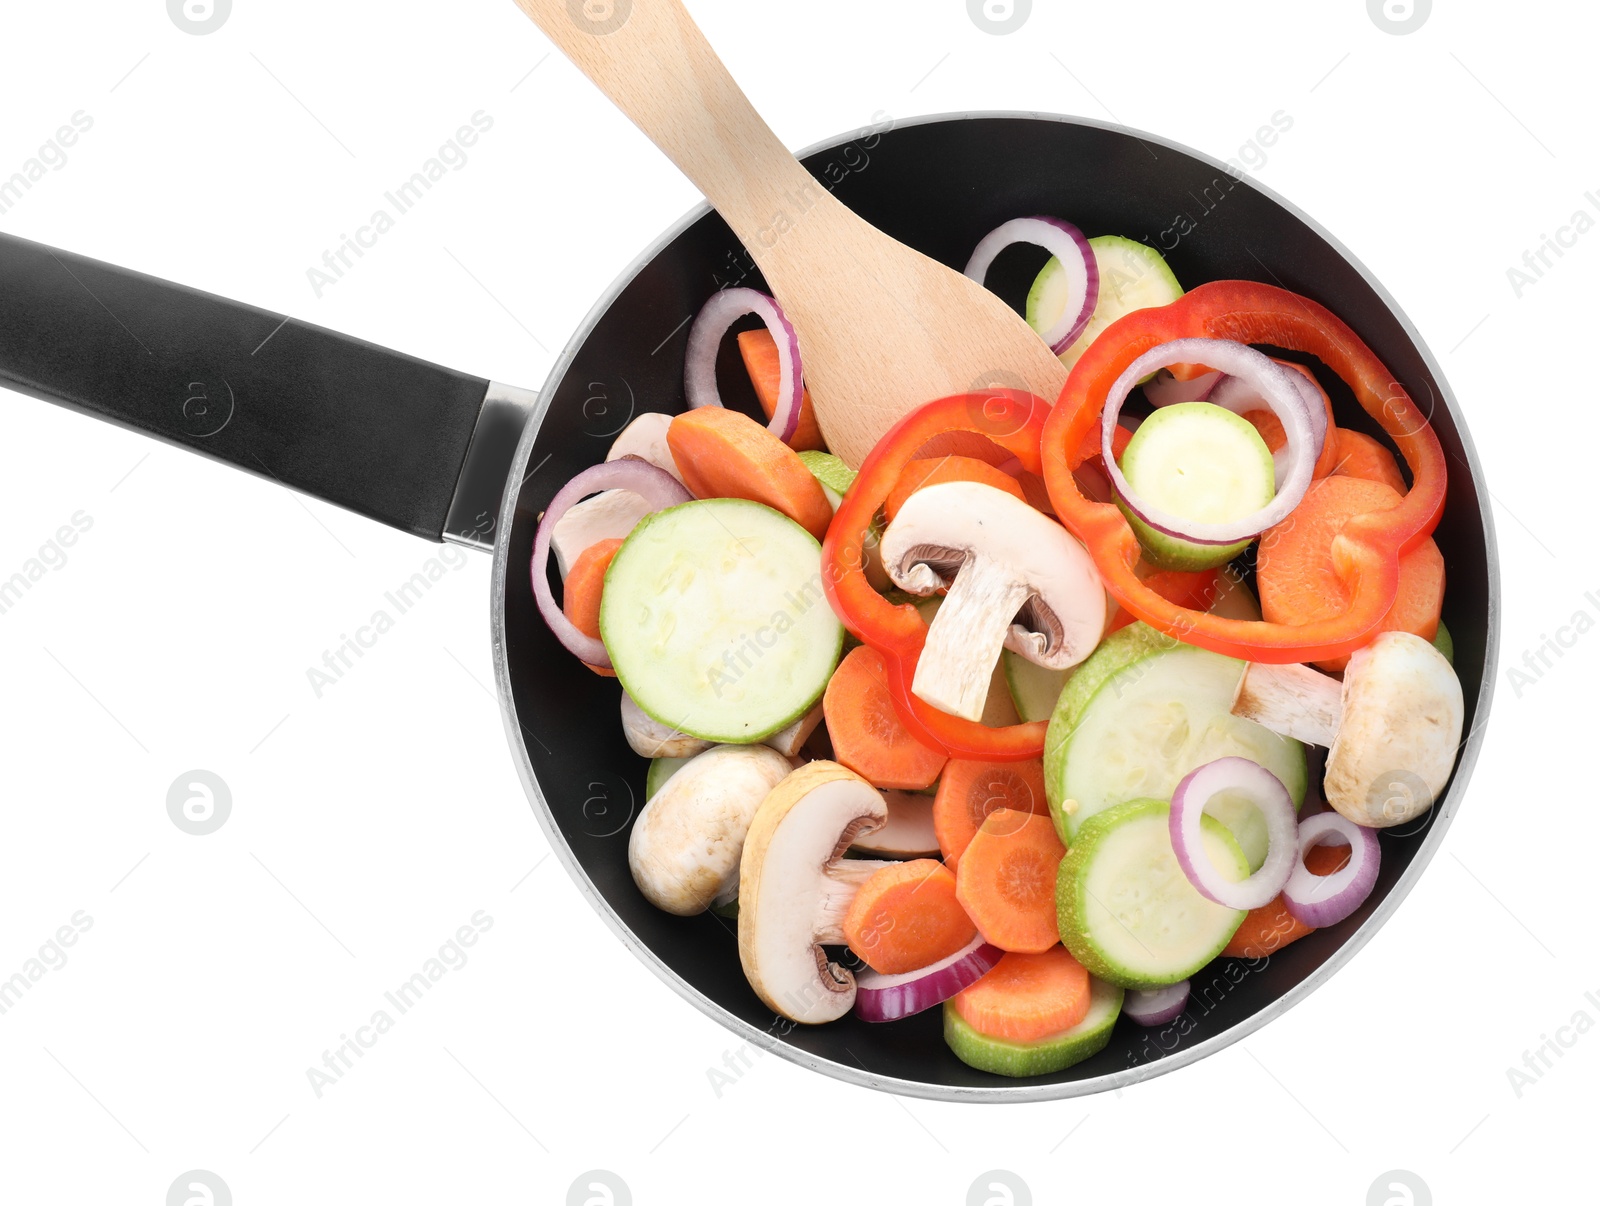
448	456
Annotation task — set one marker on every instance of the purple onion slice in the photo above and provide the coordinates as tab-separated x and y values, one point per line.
1064	241
881	998
1323	900
1276	386
1263	789
1156	1006
656	486
705	337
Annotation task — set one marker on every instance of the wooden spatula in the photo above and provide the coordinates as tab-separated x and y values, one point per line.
882	328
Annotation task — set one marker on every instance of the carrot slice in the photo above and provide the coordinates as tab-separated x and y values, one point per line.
930	471
907	916
723	454
1027	997
1271	927
969	791
866	732
760	353
580	591
1357	454
1006	880
1295	569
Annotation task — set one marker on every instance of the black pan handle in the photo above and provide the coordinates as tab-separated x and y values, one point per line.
381	433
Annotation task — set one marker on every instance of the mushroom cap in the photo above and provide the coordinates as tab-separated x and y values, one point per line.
649	738
805	824
1399	733
684	849
940	527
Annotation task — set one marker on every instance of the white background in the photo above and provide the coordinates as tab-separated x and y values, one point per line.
369	824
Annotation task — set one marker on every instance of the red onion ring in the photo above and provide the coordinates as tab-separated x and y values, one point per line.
1324	900
1268	794
1156	1006
1062	240
881	998
1239	396
655	486
1280	393
705	337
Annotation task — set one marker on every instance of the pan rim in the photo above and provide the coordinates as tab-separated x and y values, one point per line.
1055	1091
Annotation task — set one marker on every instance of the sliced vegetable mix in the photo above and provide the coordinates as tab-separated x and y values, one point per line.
1062	765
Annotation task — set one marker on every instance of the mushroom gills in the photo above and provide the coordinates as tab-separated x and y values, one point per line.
1014	579
795	887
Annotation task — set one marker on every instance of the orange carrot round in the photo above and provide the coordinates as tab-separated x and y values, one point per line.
1295	569
1357	454
1006	880
1026	998
970	791
581	589
907	916
760	353
866	732
929	471
721	453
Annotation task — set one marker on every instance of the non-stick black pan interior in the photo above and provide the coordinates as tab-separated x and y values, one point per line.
940	186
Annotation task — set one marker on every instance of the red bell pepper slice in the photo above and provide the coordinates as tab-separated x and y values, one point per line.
1368	549
1013	419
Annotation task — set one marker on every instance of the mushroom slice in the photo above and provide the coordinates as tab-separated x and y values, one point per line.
1015	578
1392	728
649	738
685	847
609	515
789	741
646	438
795	888
908	832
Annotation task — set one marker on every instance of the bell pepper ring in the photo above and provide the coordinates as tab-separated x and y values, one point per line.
1366	552
1012	419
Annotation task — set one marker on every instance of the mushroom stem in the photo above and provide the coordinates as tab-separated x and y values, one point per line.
841	882
1295	701
965	638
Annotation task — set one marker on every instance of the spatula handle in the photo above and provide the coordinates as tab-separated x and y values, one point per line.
651	60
